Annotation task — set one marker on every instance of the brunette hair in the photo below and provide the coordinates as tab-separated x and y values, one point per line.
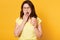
33	13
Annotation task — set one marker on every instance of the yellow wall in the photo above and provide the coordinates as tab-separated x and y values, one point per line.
47	10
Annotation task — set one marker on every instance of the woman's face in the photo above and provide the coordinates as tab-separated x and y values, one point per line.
26	9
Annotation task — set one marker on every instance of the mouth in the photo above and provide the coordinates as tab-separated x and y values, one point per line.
27	13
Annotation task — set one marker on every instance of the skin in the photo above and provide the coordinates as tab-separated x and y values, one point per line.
19	28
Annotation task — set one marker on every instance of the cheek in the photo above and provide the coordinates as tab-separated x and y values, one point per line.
24	11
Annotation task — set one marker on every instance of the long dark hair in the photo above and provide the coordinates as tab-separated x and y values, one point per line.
33	13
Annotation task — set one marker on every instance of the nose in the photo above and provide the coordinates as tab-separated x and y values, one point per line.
26	10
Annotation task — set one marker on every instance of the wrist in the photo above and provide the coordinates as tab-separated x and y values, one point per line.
35	28
23	22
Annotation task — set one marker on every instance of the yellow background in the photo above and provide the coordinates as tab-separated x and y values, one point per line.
47	10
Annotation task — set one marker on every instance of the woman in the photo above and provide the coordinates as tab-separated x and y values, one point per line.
28	25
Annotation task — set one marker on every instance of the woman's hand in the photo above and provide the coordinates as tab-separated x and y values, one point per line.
34	22
25	17
37	28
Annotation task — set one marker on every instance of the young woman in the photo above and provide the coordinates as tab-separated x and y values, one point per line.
28	25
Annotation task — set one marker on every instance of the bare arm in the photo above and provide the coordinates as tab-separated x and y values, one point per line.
37	27
18	29
38	31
